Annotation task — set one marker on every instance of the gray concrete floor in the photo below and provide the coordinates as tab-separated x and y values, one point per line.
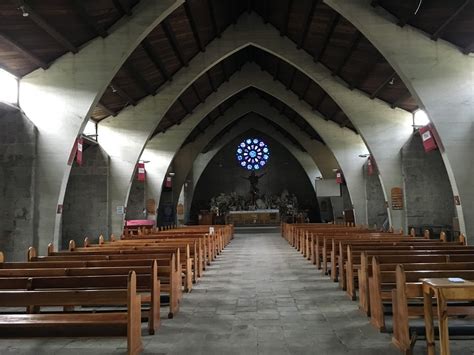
259	297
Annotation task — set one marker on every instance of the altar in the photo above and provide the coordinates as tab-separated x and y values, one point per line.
257	217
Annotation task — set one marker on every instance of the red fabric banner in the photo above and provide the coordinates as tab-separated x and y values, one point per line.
141	172
370	166
339	177
80	145
429	142
168	182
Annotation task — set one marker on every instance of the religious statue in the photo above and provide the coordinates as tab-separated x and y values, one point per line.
253	179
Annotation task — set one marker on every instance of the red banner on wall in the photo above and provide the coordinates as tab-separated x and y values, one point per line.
370	166
168	182
427	137
339	177
141	172
80	146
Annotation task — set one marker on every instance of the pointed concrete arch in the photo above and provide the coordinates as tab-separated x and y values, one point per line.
258	123
442	80
372	118
344	143
322	160
59	101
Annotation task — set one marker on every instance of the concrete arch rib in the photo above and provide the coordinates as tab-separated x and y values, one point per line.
371	117
345	144
60	100
199	164
322	160
442	80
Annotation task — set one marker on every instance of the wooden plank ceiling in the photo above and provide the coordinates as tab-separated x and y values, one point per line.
55	27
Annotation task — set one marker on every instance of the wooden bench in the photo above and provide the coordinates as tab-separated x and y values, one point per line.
382	282
408	289
58	322
148	283
169	269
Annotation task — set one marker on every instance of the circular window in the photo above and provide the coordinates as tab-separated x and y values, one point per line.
252	154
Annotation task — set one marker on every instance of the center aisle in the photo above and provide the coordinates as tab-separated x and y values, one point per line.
262	297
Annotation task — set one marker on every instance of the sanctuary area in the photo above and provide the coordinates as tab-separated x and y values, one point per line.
236	176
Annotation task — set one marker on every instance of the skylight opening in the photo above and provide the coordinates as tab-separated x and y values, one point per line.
420	118
8	87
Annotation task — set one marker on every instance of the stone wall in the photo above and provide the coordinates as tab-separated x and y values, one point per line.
17	183
136	200
224	175
376	209
428	193
85	209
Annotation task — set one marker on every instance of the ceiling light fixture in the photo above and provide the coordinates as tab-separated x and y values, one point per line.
114	90
23	11
364	155
392	81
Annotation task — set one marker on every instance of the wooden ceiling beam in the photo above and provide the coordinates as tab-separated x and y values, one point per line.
93	26
407	16
374	3
198	95
215	26
226	74
266	11
345	122
284	28
364	74
445	24
174	42
400	100
138	78
327	36
469	48
305	90
383	84
183	105
122	93
211	82
45	26
277	70
107	109
123	7
155	59
355	42
192	23
292	79
307	22
24	52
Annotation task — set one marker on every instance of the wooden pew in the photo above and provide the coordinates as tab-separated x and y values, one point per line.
187	262
59	321
407	290
382	282
169	269
148	283
353	258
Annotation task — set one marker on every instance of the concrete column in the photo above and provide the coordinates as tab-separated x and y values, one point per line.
60	100
252	122
441	78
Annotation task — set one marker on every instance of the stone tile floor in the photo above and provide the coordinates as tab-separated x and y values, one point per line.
259	297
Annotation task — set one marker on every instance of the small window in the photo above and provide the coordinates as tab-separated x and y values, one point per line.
8	87
420	118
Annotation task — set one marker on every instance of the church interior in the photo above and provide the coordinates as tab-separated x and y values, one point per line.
236	176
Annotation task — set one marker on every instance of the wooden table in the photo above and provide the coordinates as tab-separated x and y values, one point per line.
443	290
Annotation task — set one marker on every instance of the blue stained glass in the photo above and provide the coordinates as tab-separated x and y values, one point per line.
252	153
